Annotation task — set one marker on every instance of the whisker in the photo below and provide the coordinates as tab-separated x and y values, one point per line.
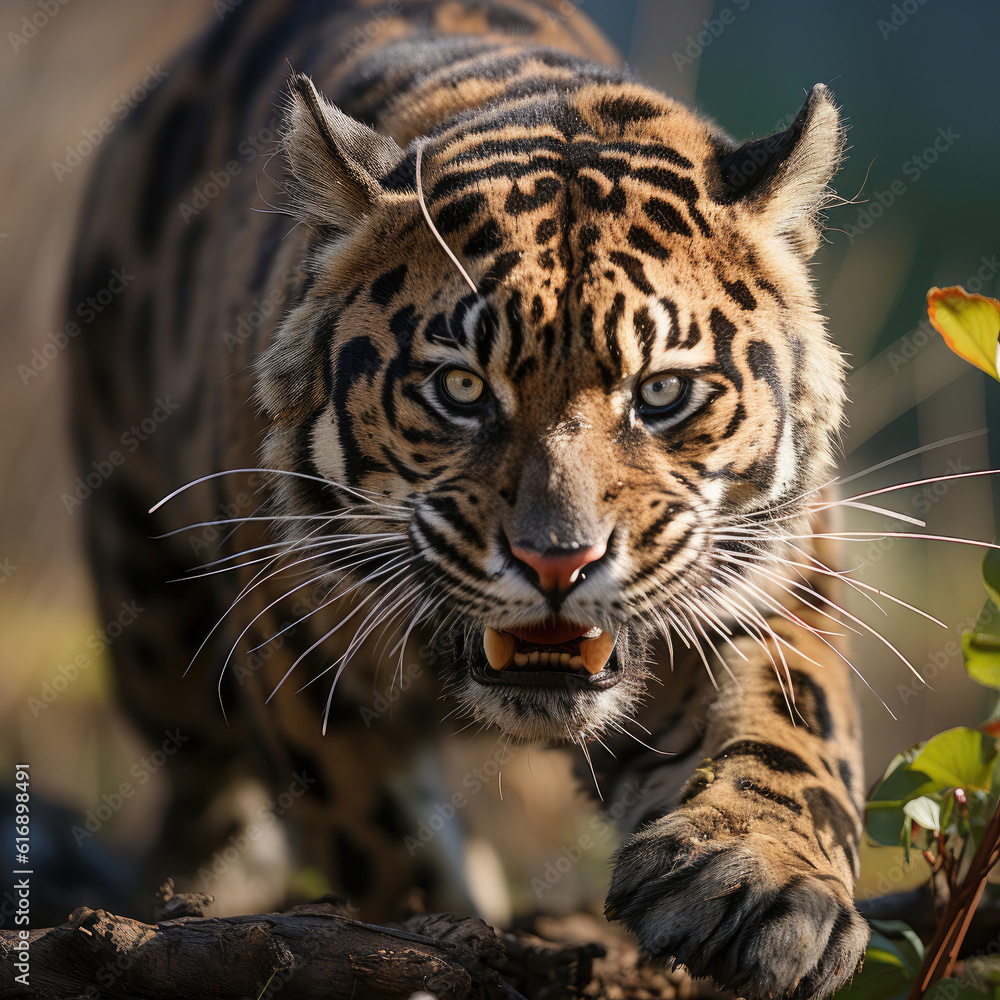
862	536
781	611
255	581
581	743
695	612
381	613
291	625
426	610
696	645
356	642
603	744
293	546
500	769
786	613
753	528
319	642
818	566
617	725
895	514
430	222
328	601
291	549
781	582
359	493
916	451
925	482
250	624
278	518
756	624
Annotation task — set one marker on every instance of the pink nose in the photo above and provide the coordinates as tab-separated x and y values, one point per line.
559	572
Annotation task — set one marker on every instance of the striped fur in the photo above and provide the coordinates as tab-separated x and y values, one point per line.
600	234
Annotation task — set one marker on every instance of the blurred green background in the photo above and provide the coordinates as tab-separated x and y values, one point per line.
917	83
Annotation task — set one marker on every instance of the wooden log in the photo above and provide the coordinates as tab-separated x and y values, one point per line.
321	951
308	952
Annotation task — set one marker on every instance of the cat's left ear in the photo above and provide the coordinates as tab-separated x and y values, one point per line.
786	177
334	161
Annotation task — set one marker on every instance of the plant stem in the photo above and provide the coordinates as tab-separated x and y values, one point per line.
942	952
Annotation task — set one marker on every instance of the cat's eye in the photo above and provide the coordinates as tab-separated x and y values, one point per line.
662	393
463	387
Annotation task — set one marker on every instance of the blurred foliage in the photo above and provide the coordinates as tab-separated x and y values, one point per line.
942	796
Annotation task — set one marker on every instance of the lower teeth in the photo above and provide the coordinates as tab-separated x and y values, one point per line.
538	658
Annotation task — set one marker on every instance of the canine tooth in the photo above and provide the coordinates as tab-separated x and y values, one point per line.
576	662
564	659
521	659
499	648
596	652
533	657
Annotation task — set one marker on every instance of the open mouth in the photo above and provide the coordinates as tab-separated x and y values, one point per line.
554	653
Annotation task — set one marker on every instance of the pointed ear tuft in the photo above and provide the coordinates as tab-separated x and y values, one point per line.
786	177
334	161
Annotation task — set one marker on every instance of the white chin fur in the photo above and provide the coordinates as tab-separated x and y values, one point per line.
546	715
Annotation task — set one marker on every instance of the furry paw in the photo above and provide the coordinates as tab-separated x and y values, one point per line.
749	912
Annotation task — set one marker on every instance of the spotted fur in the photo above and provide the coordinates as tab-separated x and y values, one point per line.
573	236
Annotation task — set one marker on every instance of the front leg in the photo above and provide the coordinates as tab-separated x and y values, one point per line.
750	879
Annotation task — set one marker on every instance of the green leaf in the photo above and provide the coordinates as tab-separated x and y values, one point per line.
883	821
889	966
987	627
925	811
906	835
991	578
969	324
880	978
957	758
947	807
983	970
884	815
981	646
905	939
982	663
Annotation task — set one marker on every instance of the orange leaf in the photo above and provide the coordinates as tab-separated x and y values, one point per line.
970	325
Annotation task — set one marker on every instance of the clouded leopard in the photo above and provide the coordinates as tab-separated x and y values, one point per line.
508	365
